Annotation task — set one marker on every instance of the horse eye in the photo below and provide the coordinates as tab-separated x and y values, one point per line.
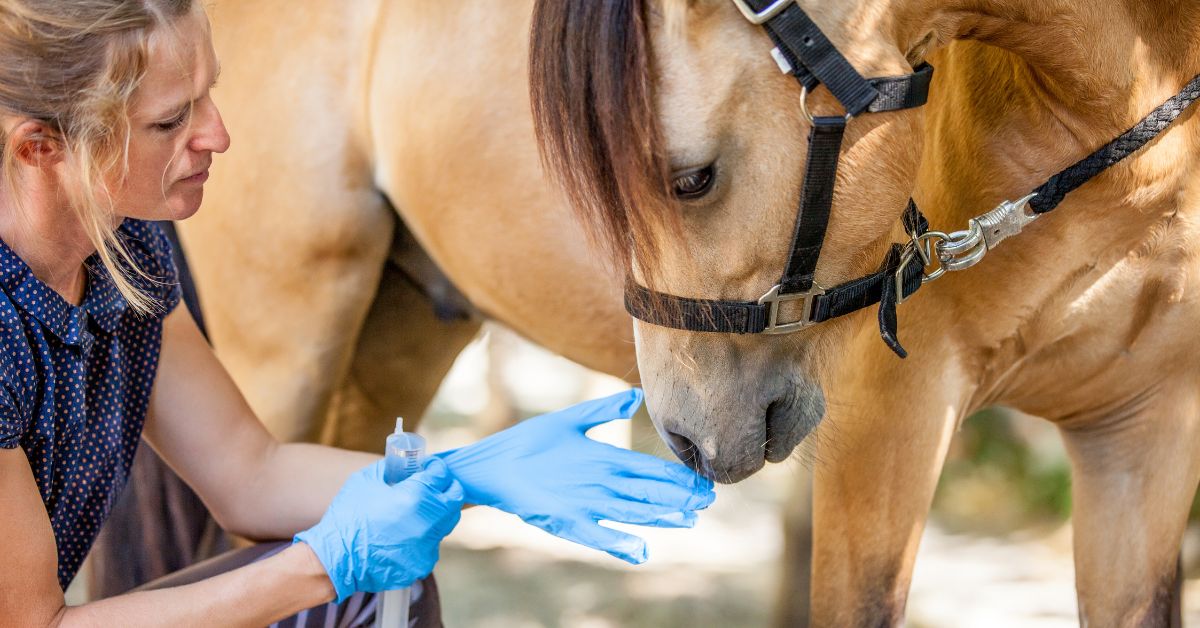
693	184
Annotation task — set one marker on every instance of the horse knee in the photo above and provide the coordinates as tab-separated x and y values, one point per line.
1154	605
875	596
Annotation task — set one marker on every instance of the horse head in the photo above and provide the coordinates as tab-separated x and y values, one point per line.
684	147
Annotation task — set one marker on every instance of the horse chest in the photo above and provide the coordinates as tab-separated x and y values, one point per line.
1114	333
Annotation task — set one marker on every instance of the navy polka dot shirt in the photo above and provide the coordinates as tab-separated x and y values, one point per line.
76	384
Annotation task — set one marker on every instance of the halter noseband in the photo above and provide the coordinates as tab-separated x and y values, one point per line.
803	51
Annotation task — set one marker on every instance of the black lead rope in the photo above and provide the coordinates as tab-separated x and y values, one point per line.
1052	192
812	60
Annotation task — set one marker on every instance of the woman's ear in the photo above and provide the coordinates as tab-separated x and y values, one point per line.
35	144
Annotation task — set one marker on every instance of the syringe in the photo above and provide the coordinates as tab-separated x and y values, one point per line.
404	456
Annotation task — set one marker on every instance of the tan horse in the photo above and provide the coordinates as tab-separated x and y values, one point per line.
354	122
1088	318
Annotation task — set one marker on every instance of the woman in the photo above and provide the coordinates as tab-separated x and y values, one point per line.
106	122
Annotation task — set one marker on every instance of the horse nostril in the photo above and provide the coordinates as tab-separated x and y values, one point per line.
686	450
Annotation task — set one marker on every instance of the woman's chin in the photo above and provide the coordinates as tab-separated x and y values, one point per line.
177	207
183	207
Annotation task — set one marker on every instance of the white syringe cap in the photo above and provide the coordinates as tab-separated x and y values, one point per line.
399	425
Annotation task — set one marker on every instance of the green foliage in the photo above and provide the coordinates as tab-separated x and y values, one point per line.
1007	472
999	478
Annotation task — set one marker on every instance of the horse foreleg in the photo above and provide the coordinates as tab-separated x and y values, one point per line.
878	456
1135	475
403	352
284	300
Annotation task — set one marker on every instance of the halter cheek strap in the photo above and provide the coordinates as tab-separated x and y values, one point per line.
803	51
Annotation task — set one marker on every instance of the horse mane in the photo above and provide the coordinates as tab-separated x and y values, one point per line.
593	111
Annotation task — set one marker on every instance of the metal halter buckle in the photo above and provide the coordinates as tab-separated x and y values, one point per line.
805	110
910	251
925	247
758	17
961	250
806	309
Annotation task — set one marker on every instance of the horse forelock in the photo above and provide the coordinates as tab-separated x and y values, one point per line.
592	97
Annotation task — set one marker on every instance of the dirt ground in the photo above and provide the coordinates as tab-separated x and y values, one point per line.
497	572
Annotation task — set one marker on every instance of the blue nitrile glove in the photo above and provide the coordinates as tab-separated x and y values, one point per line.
547	472
377	537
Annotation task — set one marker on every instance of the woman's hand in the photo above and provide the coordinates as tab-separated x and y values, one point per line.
546	471
377	537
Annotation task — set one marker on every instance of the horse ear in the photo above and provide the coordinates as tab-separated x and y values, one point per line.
917	53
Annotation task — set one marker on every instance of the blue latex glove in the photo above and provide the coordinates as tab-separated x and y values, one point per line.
375	537
547	472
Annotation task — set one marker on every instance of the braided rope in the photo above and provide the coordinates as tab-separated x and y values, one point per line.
1051	193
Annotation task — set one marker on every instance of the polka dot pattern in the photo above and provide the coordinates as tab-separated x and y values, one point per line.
76	383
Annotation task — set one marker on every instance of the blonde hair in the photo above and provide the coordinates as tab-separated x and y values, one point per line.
74	66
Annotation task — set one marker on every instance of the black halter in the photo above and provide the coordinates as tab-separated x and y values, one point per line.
803	51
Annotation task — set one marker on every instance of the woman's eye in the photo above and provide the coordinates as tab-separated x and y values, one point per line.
693	184
173	123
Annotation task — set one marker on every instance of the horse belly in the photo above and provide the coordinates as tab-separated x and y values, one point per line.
455	152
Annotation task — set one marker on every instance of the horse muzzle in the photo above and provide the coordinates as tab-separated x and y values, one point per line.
727	445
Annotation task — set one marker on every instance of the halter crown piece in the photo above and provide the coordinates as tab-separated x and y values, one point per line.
803	51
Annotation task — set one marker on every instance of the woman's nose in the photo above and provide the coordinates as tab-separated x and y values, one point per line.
211	134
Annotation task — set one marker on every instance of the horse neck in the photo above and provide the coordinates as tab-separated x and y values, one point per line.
1018	98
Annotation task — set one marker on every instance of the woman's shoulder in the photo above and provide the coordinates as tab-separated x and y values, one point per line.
14	334
16	373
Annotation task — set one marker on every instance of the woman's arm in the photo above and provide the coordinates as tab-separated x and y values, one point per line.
545	470
202	426
254	595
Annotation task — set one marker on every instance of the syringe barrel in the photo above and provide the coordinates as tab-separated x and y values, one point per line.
405	456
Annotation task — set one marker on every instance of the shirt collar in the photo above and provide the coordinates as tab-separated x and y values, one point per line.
102	303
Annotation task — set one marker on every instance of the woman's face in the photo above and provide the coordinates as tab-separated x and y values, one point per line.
175	126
